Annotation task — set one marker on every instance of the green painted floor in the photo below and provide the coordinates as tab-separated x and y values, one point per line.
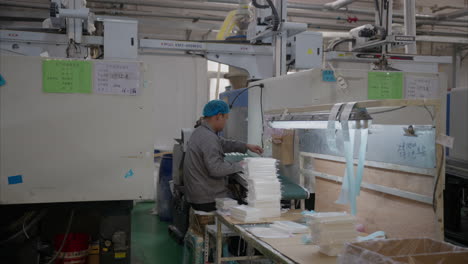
151	243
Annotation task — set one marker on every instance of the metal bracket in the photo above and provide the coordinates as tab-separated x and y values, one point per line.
254	59
256	65
398	40
290	28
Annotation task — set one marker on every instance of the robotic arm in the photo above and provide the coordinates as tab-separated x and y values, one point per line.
72	15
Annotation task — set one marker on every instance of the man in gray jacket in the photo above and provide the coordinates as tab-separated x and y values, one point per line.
205	170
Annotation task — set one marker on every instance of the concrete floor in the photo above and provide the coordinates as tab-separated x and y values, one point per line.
151	243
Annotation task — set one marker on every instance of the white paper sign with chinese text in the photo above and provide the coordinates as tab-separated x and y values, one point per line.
417	87
117	78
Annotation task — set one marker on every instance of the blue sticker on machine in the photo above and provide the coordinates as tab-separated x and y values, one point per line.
2	81
129	174
328	76
15	179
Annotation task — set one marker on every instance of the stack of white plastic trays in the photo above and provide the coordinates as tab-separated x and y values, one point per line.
330	231
224	205
264	188
245	213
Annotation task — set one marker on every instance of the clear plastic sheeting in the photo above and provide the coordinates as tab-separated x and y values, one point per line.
268	232
290	227
403	251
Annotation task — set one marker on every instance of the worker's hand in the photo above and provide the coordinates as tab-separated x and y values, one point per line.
255	149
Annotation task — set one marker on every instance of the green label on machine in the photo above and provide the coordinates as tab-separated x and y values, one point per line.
66	76
384	85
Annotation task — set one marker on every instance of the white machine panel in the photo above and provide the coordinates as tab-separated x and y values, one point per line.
120	39
71	147
307	88
308	50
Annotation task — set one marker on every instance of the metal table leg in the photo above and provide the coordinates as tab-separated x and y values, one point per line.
206	243
219	241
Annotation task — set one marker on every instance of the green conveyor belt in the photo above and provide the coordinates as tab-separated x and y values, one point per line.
289	190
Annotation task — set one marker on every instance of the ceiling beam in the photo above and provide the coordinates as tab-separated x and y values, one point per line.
453	15
29	15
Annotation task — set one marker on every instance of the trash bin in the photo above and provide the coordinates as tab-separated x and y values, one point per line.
164	191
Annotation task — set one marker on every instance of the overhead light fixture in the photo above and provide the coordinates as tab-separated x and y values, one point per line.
358	119
281	124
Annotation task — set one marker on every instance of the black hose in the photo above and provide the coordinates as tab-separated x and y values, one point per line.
246	89
26	228
389	19
276	21
257	5
377	6
384	33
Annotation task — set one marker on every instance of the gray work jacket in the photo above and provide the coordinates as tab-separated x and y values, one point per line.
205	170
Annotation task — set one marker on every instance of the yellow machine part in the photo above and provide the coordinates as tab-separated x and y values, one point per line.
228	25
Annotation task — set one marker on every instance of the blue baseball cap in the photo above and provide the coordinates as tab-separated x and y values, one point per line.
215	107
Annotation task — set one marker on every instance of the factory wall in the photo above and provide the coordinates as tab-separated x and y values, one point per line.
70	147
180	91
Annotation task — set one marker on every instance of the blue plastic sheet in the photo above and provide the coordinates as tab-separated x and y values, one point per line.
351	185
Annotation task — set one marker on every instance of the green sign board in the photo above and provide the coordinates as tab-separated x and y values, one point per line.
66	76
384	85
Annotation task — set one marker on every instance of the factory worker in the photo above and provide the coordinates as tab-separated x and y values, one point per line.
205	170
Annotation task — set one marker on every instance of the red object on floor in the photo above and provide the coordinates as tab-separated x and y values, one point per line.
353	19
75	250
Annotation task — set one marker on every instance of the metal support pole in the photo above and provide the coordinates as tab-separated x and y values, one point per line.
206	243
388	15
386	8
410	24
219	241
301	178
338	4
250	252
277	55
280	39
74	25
284	34
455	65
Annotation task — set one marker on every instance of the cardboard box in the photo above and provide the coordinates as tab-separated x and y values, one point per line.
403	251
93	251
93	259
283	147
